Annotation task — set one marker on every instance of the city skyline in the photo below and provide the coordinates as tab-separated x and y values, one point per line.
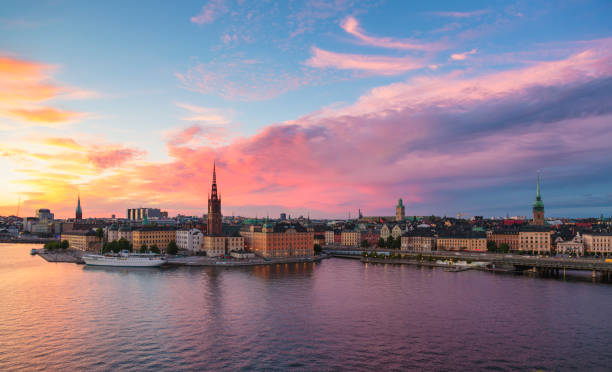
314	107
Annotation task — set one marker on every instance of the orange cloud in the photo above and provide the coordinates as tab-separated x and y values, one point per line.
44	115
23	85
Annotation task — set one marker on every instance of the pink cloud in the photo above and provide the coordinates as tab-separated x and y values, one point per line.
473	13
210	11
462	56
351	26
378	65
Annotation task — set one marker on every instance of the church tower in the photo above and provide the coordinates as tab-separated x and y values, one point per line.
79	212
538	207
400	211
214	208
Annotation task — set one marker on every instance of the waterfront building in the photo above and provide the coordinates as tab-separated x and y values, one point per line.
574	246
509	237
153	235
400	211
371	236
79	212
190	239
419	241
125	232
216	246
350	238
214	218
598	243
87	241
538	208
283	240
462	242
535	239
112	232
329	237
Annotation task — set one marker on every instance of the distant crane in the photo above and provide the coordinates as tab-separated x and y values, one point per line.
18	205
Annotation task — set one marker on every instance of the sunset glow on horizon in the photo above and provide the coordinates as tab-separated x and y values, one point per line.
314	107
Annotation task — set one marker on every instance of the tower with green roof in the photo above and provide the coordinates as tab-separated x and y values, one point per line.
400	211
538	207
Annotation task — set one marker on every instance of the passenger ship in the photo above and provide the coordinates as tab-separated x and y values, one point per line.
125	258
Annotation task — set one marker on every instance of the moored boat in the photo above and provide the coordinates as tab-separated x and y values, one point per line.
125	259
33	251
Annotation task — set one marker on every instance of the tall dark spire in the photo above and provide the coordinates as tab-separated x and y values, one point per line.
79	212
214	223
213	194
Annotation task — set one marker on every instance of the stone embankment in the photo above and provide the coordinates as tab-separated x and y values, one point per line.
61	255
453	267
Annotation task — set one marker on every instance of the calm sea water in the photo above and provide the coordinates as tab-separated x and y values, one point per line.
334	315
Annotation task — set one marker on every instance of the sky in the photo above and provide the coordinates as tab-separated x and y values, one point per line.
313	108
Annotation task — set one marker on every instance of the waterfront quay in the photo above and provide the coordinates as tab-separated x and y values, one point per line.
543	265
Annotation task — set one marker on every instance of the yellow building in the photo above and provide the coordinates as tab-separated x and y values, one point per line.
153	235
87	241
598	243
536	240
283	240
462	243
350	238
216	246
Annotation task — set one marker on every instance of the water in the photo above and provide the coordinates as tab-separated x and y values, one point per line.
334	315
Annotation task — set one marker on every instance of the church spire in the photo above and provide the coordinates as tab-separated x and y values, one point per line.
79	211
538	196
213	194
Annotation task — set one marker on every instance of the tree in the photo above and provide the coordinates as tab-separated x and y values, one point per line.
65	244
143	248
491	246
397	243
154	249
100	233
172	248
123	245
389	242
504	248
365	244
317	248
381	243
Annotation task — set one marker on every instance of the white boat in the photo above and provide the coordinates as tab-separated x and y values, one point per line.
125	259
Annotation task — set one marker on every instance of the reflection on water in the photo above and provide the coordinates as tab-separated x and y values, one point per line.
337	314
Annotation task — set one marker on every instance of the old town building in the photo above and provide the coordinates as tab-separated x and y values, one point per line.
462	242
87	241
283	240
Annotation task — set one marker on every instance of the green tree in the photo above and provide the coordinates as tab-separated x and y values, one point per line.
65	244
397	243
365	244
123	245
154	248
504	248
491	246
381	243
100	233
143	248
172	248
389	242
317	248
